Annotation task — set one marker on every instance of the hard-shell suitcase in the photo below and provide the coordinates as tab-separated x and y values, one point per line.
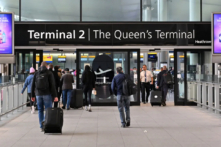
76	98
53	120
155	98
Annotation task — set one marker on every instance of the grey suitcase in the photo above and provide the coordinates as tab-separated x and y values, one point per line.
156	98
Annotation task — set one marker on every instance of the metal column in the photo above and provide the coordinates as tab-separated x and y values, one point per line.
210	96
217	99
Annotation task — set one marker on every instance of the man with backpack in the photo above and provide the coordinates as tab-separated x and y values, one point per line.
163	82
43	86
121	87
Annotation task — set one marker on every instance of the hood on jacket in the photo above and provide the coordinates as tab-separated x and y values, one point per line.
42	69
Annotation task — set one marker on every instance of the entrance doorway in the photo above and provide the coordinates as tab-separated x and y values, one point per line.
103	63
190	65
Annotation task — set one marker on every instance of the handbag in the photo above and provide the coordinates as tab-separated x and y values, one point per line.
94	92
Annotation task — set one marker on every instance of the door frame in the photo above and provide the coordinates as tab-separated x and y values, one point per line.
177	101
137	103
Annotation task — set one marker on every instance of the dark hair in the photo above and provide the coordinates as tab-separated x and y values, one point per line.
134	67
66	69
119	69
87	68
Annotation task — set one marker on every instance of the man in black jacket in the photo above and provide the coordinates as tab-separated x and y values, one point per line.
43	86
162	85
57	82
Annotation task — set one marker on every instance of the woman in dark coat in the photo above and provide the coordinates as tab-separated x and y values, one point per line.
88	81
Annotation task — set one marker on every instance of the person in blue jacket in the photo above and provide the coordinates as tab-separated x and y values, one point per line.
28	83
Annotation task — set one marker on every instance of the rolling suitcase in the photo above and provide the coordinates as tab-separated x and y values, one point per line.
76	98
53	120
156	98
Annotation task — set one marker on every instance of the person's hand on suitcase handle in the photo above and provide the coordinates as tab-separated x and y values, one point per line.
56	99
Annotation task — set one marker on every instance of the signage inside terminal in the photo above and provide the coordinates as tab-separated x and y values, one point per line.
112	34
117	34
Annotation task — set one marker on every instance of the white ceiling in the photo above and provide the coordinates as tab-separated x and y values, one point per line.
102	10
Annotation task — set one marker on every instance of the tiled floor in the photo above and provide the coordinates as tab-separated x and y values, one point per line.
150	127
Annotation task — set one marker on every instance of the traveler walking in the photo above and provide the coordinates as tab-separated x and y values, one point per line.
145	77
88	80
66	85
43	86
123	101
162	84
28	83
56	79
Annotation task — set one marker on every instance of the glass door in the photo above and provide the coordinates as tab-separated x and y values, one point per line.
104	63
190	66
179	77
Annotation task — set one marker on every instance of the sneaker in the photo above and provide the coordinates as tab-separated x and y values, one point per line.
123	126
42	130
89	108
128	123
32	109
85	108
68	108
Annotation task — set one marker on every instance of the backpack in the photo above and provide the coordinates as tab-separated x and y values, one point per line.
128	86
167	78
42	82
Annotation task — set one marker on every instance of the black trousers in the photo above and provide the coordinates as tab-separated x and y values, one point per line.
87	93
145	87
164	90
31	102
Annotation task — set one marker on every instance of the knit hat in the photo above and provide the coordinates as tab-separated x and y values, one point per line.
32	70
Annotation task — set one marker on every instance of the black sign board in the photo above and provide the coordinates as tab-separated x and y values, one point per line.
113	34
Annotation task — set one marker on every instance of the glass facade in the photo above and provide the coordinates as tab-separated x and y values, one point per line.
166	10
10	6
48	10
111	10
208	7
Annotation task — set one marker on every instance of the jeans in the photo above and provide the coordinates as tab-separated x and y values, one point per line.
147	87
66	97
123	102
43	100
164	90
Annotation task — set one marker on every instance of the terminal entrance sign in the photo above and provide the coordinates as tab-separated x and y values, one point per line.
6	33
113	34
216	33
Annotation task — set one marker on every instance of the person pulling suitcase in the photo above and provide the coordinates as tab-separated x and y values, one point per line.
43	86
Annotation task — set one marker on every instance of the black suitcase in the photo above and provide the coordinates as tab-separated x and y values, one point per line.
53	120
156	97
76	98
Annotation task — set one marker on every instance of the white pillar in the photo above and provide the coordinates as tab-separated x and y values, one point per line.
194	10
162	10
146	13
